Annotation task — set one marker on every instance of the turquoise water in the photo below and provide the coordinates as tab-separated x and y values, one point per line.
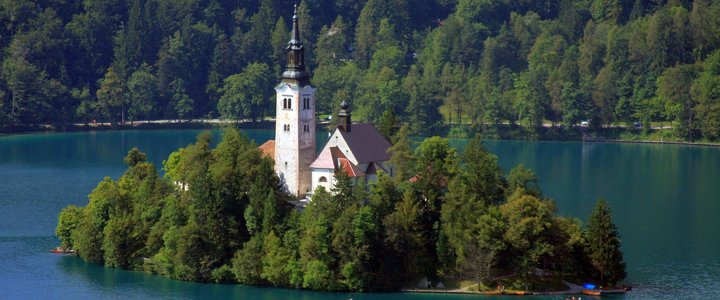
666	202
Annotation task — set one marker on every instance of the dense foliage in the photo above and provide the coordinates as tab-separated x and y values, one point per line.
218	216
433	63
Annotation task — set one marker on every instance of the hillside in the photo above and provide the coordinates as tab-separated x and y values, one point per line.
432	63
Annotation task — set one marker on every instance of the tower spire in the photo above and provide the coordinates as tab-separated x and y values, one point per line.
295	71
295	40
344	117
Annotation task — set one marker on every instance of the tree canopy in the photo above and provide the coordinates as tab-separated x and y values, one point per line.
468	65
219	215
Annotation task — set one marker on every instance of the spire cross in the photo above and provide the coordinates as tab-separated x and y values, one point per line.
296	29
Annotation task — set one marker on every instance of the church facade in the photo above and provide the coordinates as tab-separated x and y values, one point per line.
358	149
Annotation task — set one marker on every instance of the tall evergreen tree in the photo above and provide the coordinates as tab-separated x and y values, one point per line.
603	244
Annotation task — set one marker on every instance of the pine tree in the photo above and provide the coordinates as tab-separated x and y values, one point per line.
364	35
307	32
112	96
401	156
278	41
604	244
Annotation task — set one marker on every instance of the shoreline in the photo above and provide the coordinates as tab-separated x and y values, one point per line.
268	124
573	289
660	142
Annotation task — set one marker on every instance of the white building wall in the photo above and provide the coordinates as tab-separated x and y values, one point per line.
329	175
336	140
294	148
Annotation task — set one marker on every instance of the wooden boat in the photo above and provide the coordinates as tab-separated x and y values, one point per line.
60	250
493	293
600	292
592	292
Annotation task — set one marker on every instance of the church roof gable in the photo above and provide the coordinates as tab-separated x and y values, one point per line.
349	168
325	160
366	143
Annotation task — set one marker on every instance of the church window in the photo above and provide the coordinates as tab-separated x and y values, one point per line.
306	127
286	127
306	103
322	179
287	103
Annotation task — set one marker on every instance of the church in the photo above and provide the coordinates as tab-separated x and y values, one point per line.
358	149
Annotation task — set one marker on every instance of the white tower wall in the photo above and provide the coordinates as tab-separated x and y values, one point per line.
295	136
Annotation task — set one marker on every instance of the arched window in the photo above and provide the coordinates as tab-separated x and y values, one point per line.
287	103
322	179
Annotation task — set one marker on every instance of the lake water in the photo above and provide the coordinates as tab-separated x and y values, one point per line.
665	199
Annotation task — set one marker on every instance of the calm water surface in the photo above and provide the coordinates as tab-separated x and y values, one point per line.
665	198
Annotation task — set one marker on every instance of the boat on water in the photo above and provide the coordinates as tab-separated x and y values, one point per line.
592	292
61	250
600	292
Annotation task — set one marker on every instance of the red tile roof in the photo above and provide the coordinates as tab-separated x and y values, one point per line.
333	158
349	168
268	149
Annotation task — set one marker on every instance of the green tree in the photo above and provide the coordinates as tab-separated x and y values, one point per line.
222	66
364	35
673	88
705	27
332	43
401	155
279	39
482	251
69	220
308	30
384	195
388	124
405	236
603	244
134	157
181	105
274	261
248	262
142	91
245	95
90	236
523	178
422	109
528	220
112	96
482	173
706	91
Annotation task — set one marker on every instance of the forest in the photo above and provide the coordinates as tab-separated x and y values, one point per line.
462	65
220	215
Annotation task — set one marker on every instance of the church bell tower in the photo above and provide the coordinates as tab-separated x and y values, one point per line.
295	119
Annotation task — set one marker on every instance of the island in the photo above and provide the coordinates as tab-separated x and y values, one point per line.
371	212
444	220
